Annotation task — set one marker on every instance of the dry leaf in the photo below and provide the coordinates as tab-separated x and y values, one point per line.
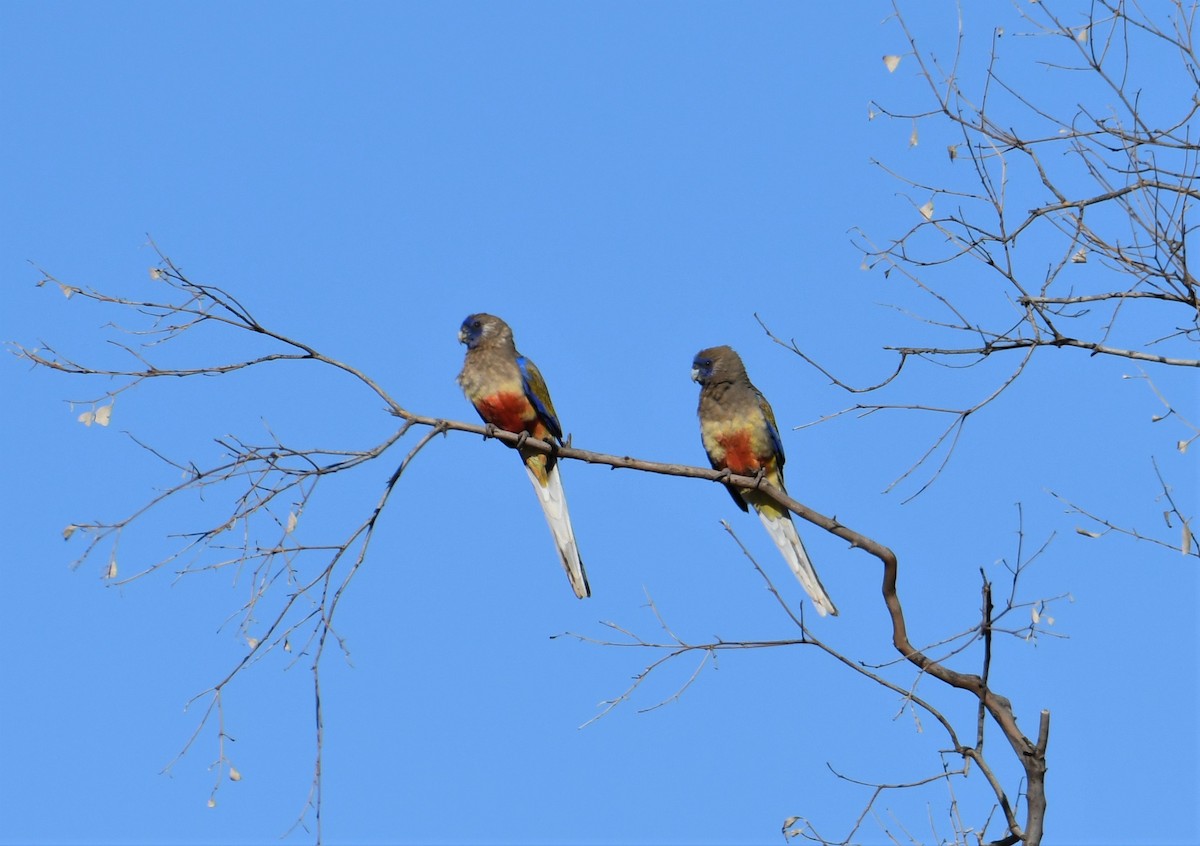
1082	35
104	414
67	290
1182	446
291	522
253	641
156	274
953	151
86	418
212	803
234	775
1080	257
912	139
891	62
111	572
1186	546
68	531
287	645
927	210
1033	612
1086	533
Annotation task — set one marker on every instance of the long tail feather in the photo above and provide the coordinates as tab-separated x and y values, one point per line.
784	533
554	506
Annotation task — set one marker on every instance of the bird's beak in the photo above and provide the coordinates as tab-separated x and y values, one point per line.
695	374
462	334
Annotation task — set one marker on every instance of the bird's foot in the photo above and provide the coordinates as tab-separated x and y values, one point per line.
723	476
489	431
758	477
522	437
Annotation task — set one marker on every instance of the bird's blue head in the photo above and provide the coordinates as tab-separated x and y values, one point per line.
473	330
482	327
715	365
702	367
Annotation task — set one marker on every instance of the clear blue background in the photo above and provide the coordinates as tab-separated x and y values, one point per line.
626	184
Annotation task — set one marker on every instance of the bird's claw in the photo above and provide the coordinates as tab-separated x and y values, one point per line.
723	476
489	431
758	477
522	437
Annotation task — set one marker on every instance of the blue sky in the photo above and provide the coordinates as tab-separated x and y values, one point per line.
625	184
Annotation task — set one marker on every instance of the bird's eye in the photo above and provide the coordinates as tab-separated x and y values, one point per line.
476	324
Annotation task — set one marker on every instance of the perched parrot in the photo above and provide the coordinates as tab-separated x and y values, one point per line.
739	432
509	393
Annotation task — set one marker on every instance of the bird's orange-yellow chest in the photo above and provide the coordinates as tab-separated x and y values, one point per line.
510	411
740	455
739	450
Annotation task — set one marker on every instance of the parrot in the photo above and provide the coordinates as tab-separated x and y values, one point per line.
509	393
737	427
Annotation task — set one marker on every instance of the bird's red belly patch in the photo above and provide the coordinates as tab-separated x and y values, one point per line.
511	412
739	457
